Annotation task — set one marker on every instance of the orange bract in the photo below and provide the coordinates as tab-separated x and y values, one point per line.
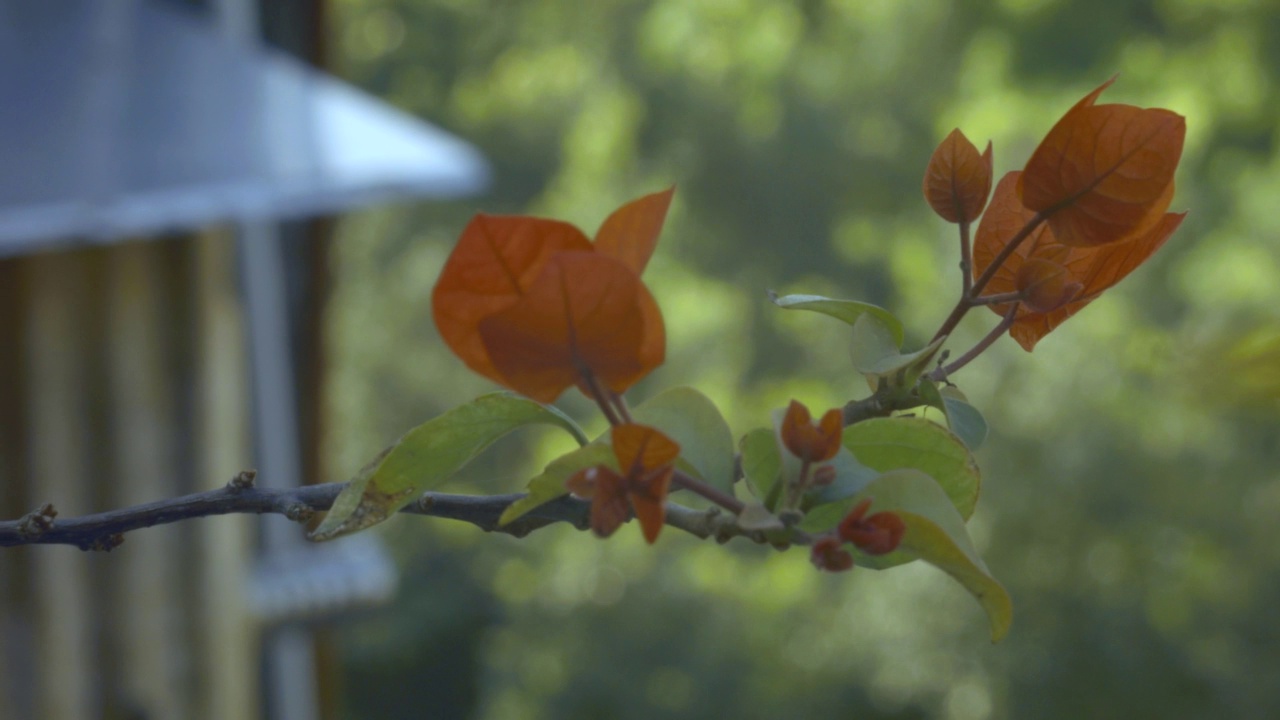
809	442
631	232
1094	268
581	317
958	179
647	459
1104	172
533	305
879	534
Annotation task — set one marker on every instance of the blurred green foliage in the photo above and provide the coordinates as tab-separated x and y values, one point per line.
1131	491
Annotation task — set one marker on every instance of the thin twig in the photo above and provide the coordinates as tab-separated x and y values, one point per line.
986	341
966	258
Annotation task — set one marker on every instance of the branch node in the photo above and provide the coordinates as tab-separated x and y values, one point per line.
38	522
103	543
243	480
299	512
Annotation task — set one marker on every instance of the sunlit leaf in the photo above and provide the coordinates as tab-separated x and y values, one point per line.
958	179
630	234
582	314
846	310
886	444
1103	170
690	418
428	455
550	484
495	261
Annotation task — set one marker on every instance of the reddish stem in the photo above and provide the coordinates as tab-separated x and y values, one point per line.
715	495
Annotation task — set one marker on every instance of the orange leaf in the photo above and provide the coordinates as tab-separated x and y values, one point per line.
1004	217
1046	285
807	442
958	179
647	456
609	507
630	234
585	313
495	261
1102	170
1097	269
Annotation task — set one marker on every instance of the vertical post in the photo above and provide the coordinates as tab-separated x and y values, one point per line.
148	629
65	653
290	655
228	671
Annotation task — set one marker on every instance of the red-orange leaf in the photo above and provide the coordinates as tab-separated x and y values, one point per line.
958	179
808	442
494	263
1046	285
584	314
1004	217
630	234
607	491
648	457
1103	170
1097	269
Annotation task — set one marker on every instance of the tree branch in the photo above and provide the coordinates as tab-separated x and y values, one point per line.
105	530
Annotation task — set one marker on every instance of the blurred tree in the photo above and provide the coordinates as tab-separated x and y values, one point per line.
1130	498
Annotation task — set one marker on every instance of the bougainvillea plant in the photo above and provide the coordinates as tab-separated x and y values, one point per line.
539	308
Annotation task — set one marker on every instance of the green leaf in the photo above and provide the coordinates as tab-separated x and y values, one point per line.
874	352
846	310
964	419
550	484
886	444
691	419
428	455
936	534
761	462
823	507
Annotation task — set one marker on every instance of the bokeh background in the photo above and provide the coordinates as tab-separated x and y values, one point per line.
1130	497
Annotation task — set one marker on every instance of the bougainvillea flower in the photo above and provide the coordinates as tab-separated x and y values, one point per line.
1093	268
647	458
582	317
500	289
879	534
827	554
1104	172
809	442
958	179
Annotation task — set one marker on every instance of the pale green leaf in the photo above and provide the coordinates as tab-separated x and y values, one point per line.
846	310
550	484
886	444
761	462
936	534
428	455
874	352
692	420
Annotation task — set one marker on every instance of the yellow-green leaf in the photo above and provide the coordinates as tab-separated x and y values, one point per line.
428	455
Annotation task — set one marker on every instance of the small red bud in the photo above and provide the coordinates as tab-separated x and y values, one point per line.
876	535
824	475
828	555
